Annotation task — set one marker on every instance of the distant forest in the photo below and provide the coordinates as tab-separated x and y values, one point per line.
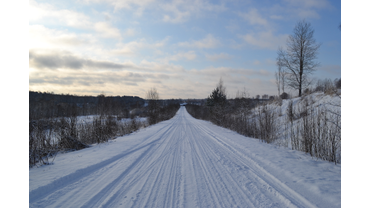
46	104
49	105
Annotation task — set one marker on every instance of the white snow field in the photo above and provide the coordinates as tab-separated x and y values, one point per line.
185	162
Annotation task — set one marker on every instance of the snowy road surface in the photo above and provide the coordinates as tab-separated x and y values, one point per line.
184	162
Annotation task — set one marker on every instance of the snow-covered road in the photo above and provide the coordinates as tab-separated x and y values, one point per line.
184	162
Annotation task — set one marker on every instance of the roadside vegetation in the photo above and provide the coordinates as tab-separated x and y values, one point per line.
66	130
310	123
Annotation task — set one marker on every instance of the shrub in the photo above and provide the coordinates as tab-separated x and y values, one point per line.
284	96
307	91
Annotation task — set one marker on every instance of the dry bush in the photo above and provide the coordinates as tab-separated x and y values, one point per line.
327	86
307	91
42	146
284	96
317	132
47	137
290	111
69	143
314	130
267	124
278	101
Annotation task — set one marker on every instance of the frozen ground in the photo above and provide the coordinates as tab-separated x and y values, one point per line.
184	162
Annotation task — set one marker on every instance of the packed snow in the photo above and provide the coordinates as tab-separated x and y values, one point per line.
185	162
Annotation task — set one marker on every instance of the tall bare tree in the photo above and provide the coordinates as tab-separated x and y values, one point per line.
280	75
299	57
277	80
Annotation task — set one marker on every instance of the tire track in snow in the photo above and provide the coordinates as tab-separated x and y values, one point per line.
253	192
57	185
135	173
152	160
184	164
280	190
221	181
203	175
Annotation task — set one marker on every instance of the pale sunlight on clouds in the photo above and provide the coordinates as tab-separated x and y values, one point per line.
180	47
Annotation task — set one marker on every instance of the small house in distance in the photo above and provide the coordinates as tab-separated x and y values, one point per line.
183	104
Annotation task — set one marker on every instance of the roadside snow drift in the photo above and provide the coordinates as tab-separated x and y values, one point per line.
184	162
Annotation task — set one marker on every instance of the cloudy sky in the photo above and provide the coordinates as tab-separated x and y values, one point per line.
180	47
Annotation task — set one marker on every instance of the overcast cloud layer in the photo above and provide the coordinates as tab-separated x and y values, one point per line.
180	47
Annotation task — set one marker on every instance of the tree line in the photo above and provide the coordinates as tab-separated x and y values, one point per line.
48	104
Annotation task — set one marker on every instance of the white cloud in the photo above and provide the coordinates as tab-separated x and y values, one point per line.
277	17
265	40
177	18
256	62
253	17
37	11
106	30
215	72
90	54
190	55
124	4
47	12
232	27
57	59
176	11
217	57
129	48
130	32
133	47
179	11
320	4
208	42
306	9
303	13
42	37
79	74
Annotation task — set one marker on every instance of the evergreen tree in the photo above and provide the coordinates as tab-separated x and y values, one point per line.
216	102
217	97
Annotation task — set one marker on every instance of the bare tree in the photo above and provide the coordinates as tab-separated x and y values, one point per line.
299	56
153	105
277	80
280	76
152	94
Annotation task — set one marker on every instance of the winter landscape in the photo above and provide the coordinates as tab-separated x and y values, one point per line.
187	162
185	104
